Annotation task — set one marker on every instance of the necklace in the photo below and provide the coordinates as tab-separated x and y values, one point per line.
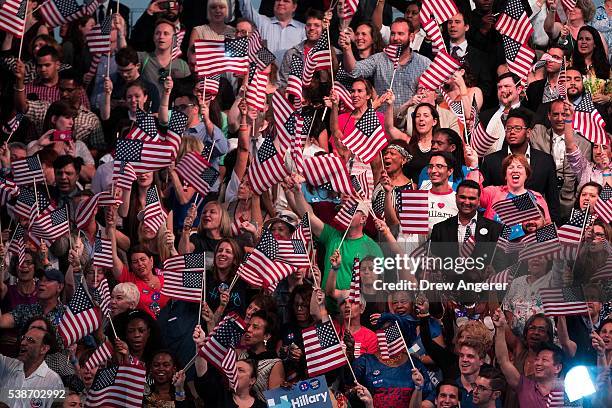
392	361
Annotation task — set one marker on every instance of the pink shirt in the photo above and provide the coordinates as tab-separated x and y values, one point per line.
346	123
492	194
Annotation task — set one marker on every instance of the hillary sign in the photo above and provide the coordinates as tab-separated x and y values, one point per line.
308	393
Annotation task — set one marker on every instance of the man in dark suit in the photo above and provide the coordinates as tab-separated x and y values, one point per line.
477	62
543	177
109	7
448	236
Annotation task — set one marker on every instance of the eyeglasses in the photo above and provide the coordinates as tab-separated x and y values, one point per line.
481	388
437	166
515	128
182	107
29	339
599	234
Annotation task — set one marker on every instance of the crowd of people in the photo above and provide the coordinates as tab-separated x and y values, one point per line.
67	110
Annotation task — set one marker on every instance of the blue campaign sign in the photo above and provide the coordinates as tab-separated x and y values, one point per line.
308	393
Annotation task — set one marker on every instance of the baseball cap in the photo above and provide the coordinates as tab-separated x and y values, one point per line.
54	274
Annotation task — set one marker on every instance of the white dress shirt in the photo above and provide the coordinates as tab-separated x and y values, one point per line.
496	128
12	377
461	228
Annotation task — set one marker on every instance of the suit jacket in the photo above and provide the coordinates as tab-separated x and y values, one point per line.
480	67
486	234
543	176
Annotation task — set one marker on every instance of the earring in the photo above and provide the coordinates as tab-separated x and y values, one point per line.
266	342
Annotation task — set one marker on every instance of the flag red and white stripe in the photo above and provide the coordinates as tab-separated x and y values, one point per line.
328	168
198	172
514	22
183	285
102	354
123	174
154	214
355	288
256	91
368	138
104	297
118	387
27	171
214	57
603	205
80	318
322	349
345	216
88	208
261	267
267	169
442	10
50	225
13	17
588	121
414	211
432	29
177	40
103	253
563	301
517	209
390	341
438	72
8	190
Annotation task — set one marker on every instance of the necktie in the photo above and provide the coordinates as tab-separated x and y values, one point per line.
100	14
454	52
468	233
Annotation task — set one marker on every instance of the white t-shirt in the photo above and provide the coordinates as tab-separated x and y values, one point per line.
441	207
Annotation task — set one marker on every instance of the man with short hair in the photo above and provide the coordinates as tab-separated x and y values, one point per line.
87	126
448	394
281	31
442	204
30	372
380	66
543	177
67	169
551	140
493	120
575	92
488	388
547	367
128	70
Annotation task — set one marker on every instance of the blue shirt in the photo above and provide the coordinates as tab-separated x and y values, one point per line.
424	177
516	231
278	38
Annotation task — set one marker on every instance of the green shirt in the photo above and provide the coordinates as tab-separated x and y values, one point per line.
351	249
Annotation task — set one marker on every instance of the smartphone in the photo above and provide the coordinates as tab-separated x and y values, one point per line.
168	5
61	136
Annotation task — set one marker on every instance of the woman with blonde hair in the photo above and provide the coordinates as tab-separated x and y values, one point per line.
217	13
160	243
214	226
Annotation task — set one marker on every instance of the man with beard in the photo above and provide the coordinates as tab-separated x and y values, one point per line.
532	389
543	178
29	372
380	66
488	388
575	92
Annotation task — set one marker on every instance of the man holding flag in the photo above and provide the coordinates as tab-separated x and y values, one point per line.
380	66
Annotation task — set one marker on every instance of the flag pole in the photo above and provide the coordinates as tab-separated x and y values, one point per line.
346	232
586	217
36	197
202	294
211	150
344	352
204	91
44	180
190	363
405	344
25	19
392	79
234	280
36	9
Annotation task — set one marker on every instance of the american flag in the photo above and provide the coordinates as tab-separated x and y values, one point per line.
556	398
480	140
256	90
56	12
29	205
516	209
603	206
176	128
362	185
154	214
93	68
347	212
50	225
103	253
318	59
12	124
442	10
346	101
27	171
432	29
304	225
183	285
519	57
514	22
262	57
209	86
254	44
563	301
347	8
88	208
570	234
101	296
144	155
328	168
145	128
285	120
220	346
80	318
455	106
8	190
214	57
118	387
293	251
16	246
297	144
442	67
413	211
198	172
505	244
589	122
177	40
568	5
390	341
322	348
193	262
98	39
355	288
294	80
261	267
393	51
505	276
543	243
13	17
368	138
123	174
103	353
561	85
267	169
